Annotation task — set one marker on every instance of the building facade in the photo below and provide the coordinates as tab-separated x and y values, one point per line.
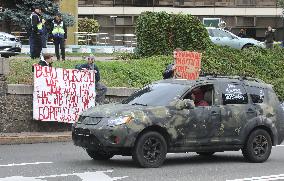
119	16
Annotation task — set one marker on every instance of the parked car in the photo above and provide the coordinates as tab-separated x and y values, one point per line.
225	38
241	114
9	45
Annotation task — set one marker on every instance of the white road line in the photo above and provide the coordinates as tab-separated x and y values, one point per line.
86	176
23	164
280	146
262	178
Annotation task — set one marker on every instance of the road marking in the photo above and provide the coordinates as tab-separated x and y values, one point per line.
86	176
262	178
279	145
23	164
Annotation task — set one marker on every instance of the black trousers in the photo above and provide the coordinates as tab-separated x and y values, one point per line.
59	42
37	46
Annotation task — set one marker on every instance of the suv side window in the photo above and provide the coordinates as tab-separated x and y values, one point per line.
234	93
203	95
256	94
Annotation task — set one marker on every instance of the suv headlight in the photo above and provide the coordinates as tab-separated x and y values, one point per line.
119	121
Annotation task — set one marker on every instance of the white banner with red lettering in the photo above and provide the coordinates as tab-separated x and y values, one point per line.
62	94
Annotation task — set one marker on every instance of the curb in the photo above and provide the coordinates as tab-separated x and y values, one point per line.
31	139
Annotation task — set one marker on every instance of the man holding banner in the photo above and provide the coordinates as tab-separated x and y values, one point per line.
170	70
101	89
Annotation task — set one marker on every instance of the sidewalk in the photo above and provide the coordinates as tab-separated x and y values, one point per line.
34	137
72	58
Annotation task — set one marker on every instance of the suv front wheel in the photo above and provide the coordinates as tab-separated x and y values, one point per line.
257	149
150	150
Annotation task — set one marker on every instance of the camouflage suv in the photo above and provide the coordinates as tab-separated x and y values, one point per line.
237	113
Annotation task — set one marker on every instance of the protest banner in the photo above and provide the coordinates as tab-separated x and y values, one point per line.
62	94
188	65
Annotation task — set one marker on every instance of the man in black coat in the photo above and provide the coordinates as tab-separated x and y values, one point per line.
170	69
46	61
269	37
36	33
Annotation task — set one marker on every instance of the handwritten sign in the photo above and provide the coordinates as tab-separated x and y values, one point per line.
233	93
62	94
187	64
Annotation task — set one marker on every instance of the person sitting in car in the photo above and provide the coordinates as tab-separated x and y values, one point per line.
197	96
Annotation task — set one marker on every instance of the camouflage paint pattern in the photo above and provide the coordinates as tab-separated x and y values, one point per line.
189	127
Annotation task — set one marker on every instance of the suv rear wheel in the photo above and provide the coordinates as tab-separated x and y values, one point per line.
96	155
257	149
150	150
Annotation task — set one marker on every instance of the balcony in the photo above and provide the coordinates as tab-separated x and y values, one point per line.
180	3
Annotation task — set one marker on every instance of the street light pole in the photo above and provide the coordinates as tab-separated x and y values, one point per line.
113	17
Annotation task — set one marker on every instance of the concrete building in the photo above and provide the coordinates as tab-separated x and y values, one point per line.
253	15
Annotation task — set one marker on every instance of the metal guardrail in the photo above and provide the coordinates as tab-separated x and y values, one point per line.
105	39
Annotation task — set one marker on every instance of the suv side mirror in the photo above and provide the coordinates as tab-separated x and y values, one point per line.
185	104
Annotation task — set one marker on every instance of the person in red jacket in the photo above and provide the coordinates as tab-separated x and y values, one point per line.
198	97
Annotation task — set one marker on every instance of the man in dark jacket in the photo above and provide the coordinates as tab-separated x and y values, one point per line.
59	34
101	89
36	33
170	69
269	38
46	61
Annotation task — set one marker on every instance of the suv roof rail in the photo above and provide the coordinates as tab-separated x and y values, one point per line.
241	78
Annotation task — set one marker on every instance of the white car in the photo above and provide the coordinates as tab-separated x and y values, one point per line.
225	38
9	45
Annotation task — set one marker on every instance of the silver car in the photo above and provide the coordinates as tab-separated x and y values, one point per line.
225	38
10	45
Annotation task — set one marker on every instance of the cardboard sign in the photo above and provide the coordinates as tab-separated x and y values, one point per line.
62	94
188	65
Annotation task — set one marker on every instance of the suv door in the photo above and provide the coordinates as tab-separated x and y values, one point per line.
203	121
236	110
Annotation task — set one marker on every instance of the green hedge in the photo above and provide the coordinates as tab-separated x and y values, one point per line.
159	33
267	65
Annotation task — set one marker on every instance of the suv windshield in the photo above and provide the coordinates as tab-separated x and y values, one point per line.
160	94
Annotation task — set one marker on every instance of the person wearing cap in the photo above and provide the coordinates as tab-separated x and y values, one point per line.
59	34
198	97
101	89
36	33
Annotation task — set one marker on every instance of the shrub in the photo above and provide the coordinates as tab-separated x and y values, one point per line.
88	25
264	64
159	33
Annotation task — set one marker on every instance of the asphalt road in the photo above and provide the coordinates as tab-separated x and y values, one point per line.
63	161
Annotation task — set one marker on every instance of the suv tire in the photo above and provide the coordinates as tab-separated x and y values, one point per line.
99	155
205	153
150	150
258	146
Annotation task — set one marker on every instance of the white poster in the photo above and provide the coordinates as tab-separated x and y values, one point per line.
62	94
